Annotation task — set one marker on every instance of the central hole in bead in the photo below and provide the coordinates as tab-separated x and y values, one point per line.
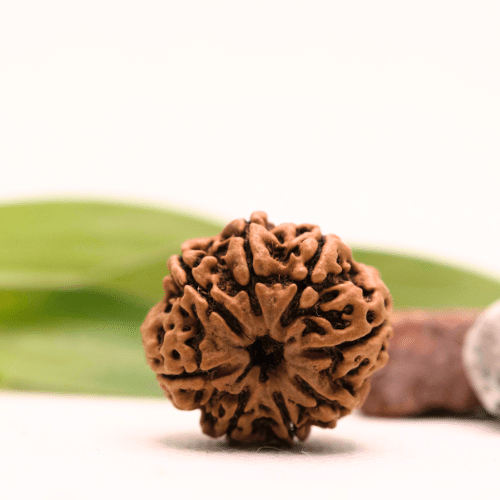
267	354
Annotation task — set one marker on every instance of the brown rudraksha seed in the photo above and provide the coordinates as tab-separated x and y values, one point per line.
268	330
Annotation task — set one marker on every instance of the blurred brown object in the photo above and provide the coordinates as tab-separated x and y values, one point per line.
425	370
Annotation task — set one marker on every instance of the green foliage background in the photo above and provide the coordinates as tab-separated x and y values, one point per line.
77	279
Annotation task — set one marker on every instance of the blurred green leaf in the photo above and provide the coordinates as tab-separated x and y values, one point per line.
95	359
73	244
415	282
39	309
77	279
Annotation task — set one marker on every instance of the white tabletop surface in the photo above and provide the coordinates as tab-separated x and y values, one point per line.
76	447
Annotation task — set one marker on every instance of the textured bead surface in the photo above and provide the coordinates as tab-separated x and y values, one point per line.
482	358
268	330
426	371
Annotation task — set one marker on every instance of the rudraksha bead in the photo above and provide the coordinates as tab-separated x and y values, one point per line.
268	330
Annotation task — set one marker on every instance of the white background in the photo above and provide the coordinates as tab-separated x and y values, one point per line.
380	121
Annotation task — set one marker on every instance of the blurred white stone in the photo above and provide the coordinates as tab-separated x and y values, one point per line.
482	358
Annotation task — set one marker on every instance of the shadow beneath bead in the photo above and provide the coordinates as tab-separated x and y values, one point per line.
491	424
479	417
477	414
193	442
